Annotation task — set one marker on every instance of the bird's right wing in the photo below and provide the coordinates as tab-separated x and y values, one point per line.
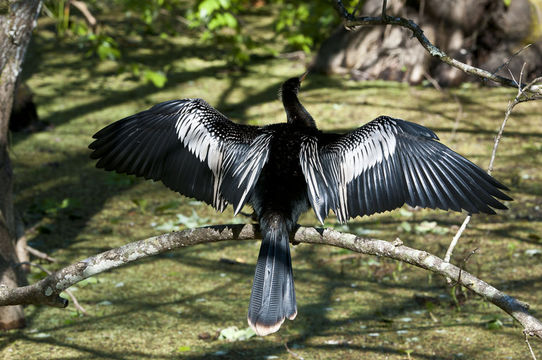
389	162
191	147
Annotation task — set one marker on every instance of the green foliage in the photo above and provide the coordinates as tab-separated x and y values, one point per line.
103	46
217	21
307	24
143	17
302	25
60	12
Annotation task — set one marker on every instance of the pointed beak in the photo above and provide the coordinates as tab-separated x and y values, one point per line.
302	77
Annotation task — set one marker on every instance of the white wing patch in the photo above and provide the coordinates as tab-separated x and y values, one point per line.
344	161
194	129
249	170
374	146
311	166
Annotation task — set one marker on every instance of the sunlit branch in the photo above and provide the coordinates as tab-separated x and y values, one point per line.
47	290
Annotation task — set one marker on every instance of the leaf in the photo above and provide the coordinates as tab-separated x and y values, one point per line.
430	227
158	78
425	227
184	348
405	226
106	51
230	21
494	324
406	213
206	7
232	334
191	221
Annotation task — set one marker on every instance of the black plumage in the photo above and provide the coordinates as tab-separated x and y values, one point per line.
282	170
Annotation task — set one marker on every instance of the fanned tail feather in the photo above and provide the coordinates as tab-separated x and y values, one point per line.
273	295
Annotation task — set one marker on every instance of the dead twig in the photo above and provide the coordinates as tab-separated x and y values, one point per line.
89	18
507	62
40	255
296	355
529	346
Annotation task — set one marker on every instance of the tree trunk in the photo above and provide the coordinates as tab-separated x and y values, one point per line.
483	33
17	20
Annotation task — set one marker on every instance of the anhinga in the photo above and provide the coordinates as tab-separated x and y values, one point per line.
282	170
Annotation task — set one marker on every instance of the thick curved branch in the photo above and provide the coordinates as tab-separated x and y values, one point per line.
351	21
47	290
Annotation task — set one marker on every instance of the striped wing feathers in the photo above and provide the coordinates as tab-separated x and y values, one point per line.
188	145
389	162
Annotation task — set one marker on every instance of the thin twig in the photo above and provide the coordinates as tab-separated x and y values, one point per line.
432	81
40	255
530	348
296	355
465	264
456	239
507	62
83	8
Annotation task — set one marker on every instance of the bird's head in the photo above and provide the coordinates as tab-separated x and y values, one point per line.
292	85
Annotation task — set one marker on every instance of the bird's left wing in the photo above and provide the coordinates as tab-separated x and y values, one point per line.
191	147
389	162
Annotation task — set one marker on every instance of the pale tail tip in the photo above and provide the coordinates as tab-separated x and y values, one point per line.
264	330
291	317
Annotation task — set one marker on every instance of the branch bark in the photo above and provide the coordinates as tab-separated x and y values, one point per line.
351	21
47	290
17	20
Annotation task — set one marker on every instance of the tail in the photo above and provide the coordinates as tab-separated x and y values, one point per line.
273	293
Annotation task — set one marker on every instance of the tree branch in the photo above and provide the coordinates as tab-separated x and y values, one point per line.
47	290
352	21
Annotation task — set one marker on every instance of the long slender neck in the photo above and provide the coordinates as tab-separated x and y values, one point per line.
295	112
